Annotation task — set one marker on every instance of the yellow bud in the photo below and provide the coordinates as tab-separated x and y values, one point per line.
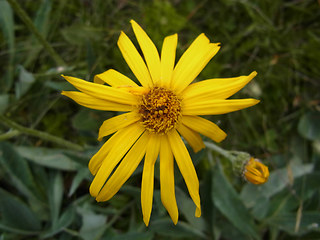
256	172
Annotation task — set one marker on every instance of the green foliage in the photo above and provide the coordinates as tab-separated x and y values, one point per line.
44	184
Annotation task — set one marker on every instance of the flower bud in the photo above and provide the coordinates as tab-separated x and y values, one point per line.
255	172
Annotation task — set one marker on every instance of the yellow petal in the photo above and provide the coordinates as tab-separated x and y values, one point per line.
102	92
114	79
134	60
148	175
112	125
215	106
218	88
192	62
193	138
168	55
96	161
167	189
127	166
256	172
186	167
205	127
120	148
149	50
96	103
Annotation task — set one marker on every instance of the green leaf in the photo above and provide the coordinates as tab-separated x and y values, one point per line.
278	180
55	193
41	21
42	24
309	126
165	227
7	26
288	222
4	102
85	119
51	158
93	225
17	169
16	214
132	236
26	79
67	217
80	176
227	200
258	197
186	205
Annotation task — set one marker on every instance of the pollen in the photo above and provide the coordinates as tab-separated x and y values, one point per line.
160	110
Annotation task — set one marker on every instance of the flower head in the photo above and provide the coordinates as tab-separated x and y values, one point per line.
158	112
256	172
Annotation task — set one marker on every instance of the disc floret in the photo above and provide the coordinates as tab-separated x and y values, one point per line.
160	110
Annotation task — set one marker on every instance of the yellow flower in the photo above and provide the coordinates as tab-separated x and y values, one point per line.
256	172
159	110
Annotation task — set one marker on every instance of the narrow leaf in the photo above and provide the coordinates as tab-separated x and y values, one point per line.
227	200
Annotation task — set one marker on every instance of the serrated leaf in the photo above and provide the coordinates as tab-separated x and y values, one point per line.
228	202
17	214
52	158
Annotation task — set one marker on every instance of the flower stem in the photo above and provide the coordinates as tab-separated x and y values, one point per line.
219	150
28	22
9	134
42	135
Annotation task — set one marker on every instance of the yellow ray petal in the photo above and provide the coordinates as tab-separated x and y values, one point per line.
149	51
218	88
167	189
116	139
215	106
114	79
193	138
127	166
112	125
134	60
192	62
96	103
168	55
97	159
102	92
205	127
116	153
186	167
148	175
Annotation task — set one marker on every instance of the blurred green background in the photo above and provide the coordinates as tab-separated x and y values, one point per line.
46	140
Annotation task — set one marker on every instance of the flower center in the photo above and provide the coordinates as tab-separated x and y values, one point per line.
160	110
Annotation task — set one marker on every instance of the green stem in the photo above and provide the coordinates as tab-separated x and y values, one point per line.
28	22
9	134
42	135
218	149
